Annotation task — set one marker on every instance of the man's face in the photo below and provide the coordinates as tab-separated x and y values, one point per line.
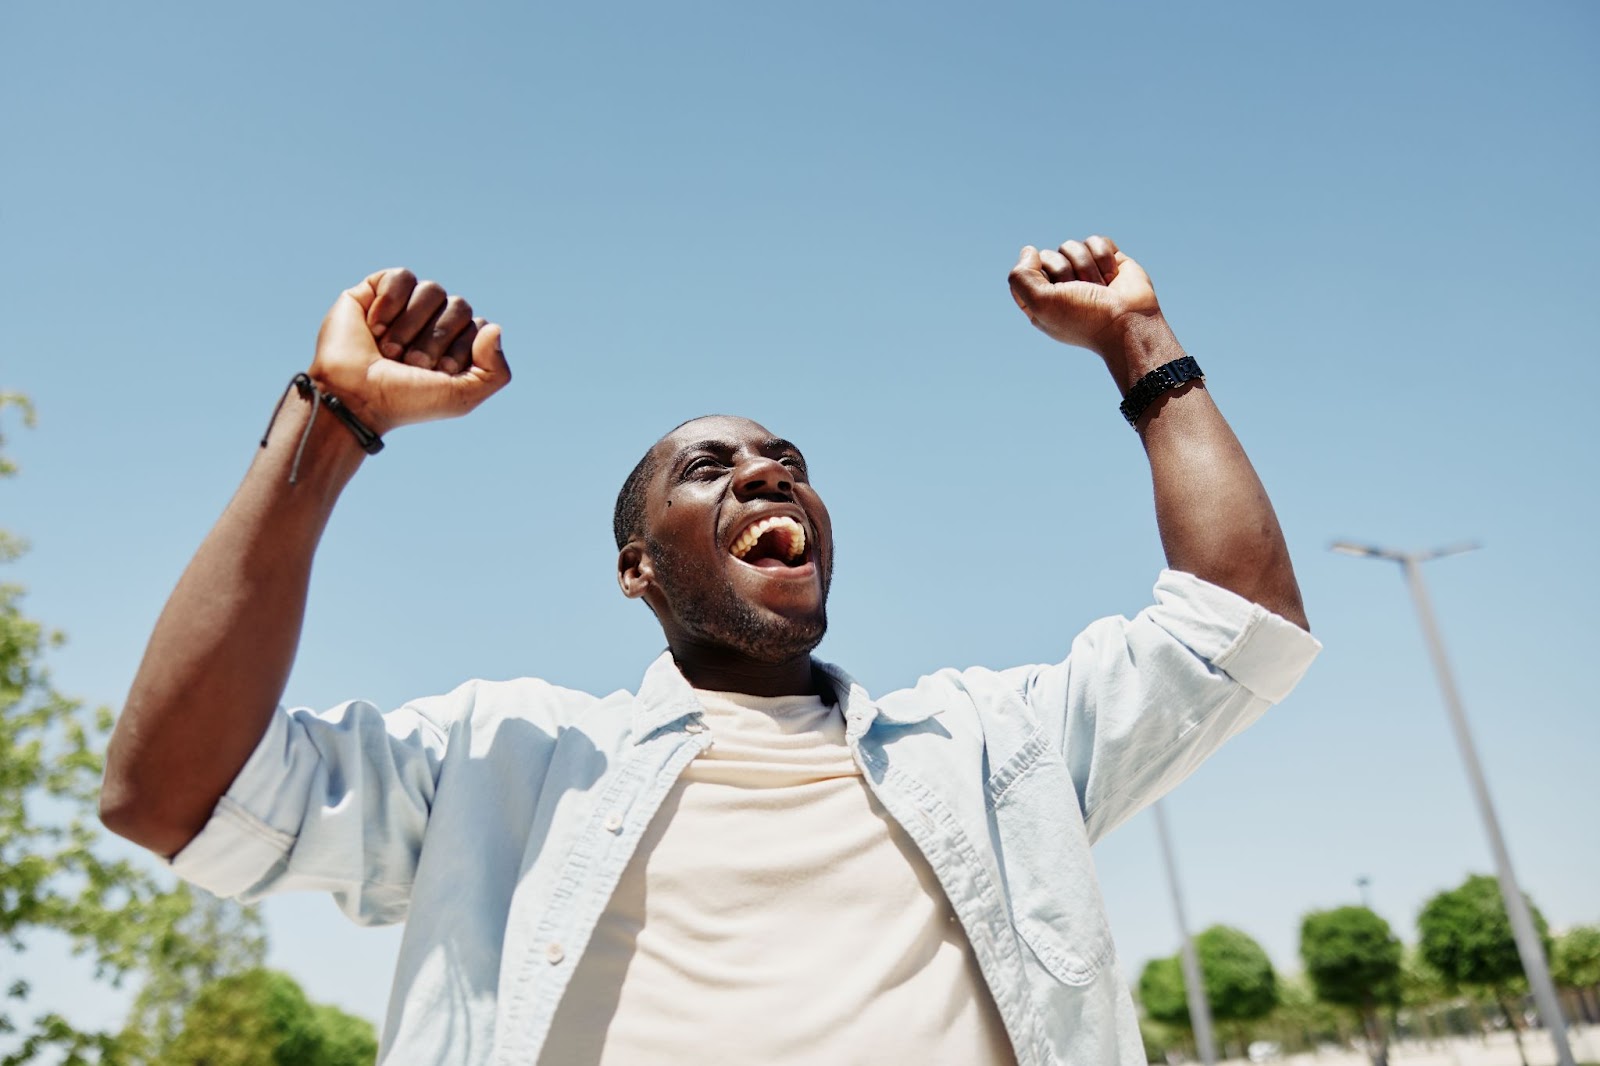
739	545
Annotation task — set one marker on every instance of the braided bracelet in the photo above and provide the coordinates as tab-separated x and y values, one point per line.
370	442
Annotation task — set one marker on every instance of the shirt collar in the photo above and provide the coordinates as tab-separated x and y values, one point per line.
665	697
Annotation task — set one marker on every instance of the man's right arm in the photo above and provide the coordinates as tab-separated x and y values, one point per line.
220	655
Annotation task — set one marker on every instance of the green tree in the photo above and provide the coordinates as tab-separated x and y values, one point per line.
346	1039
56	875
1466	936
1161	992
1352	959
1241	985
1575	966
210	939
262	1018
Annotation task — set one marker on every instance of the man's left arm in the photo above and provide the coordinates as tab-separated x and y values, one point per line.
1212	511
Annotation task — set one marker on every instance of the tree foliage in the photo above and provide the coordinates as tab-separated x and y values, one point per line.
1575	962
1466	935
1240	982
1161	992
57	874
1352	957
1241	985
210	940
262	1018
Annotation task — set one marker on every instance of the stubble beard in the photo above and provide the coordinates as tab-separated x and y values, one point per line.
720	616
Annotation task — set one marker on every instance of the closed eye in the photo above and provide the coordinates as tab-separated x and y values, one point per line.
700	465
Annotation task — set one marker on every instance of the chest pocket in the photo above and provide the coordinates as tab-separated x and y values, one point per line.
1055	900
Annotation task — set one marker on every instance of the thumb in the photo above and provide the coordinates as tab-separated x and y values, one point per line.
1028	281
489	367
344	332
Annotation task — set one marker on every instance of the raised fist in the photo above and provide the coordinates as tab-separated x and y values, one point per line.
396	351
1085	293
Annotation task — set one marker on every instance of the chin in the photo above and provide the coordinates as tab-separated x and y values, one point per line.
775	640
757	634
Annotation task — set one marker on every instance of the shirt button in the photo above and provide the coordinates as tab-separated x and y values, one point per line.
613	822
553	954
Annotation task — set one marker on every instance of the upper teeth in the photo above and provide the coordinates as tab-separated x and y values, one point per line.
796	536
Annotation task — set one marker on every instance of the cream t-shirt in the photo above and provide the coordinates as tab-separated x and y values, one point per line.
775	913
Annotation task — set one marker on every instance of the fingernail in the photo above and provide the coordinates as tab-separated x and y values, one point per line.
392	350
377	331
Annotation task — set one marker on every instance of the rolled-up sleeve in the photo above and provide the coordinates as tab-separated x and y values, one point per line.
336	801
1141	703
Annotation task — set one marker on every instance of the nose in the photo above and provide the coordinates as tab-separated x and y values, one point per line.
759	476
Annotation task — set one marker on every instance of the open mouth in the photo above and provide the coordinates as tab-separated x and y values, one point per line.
774	543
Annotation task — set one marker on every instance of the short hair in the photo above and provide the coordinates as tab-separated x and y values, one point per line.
627	520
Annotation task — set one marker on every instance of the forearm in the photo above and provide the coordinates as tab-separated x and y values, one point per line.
219	657
1213	513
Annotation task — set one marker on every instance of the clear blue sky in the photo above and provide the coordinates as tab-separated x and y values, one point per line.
1373	224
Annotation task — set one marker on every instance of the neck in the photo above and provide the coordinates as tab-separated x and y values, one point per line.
720	669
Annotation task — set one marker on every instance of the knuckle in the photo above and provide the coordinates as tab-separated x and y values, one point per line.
430	289
401	275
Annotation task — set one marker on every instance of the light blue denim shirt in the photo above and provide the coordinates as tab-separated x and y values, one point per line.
496	820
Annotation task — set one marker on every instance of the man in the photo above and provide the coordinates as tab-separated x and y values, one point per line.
751	860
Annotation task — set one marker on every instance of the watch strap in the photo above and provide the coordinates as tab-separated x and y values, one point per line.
1162	379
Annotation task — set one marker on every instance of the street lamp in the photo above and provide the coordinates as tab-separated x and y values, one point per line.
1522	928
1194	986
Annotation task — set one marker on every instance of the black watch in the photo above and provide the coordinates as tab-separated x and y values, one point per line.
1161	379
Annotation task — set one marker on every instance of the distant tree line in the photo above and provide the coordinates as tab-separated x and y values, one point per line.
1359	983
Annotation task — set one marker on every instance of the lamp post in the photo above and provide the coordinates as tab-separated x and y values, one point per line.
1193	983
1522	928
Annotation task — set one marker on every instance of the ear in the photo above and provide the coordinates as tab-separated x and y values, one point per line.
635	571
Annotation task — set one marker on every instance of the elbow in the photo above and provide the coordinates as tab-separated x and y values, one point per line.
118	812
1287	606
133	815
123	814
